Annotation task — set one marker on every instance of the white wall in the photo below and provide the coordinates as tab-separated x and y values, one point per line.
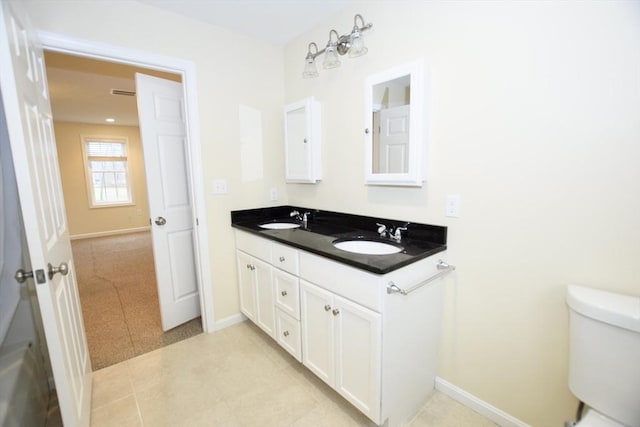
232	71
534	120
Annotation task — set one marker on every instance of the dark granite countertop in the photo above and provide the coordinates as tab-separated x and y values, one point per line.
323	227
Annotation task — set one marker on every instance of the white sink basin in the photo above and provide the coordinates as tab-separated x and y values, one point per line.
367	247
279	225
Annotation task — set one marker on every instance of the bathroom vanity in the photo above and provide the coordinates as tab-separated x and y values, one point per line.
366	324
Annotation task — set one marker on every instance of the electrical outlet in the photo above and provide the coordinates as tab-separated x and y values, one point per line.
220	186
452	208
273	194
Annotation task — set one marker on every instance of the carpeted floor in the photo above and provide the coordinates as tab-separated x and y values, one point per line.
119	297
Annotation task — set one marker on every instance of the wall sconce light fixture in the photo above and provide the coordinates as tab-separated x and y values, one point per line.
351	43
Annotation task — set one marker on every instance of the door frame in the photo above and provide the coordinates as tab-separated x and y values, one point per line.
187	70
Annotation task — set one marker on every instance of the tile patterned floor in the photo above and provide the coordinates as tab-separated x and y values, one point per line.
235	377
119	298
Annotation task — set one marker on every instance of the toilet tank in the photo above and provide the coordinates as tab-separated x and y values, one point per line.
604	352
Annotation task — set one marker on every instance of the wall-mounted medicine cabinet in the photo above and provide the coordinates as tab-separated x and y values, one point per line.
303	157
394	144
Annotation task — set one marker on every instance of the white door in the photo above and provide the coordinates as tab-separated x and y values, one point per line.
30	127
265	303
317	331
163	131
246	285
358	355
394	140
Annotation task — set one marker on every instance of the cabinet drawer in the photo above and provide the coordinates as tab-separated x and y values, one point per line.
256	246
288	334
357	285
284	257
287	293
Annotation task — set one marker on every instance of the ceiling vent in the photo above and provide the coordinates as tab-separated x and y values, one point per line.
122	92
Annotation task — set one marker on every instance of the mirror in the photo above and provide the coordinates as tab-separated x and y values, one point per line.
393	126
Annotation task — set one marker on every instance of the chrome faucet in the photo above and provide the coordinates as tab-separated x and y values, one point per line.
296	214
382	230
394	233
397	235
305	217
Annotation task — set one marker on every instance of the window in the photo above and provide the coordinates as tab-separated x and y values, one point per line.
107	171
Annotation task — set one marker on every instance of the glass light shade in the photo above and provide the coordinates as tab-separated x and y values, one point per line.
310	69
357	45
331	59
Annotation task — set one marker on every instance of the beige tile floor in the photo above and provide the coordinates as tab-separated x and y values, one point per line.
235	377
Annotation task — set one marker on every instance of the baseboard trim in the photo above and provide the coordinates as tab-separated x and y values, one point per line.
109	233
480	406
229	321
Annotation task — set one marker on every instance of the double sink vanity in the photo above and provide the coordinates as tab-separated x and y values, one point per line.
356	299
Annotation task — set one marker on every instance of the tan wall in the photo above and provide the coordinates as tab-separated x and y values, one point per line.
232	71
533	120
83	219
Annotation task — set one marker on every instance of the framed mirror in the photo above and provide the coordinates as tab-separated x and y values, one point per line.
393	126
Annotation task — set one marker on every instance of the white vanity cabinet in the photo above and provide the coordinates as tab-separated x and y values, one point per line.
303	162
342	346
269	289
377	349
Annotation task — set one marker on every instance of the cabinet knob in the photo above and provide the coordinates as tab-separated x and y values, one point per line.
327	307
335	311
281	259
366	131
285	333
249	266
305	140
252	267
283	293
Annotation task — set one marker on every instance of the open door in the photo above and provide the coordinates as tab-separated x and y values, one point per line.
28	112
163	132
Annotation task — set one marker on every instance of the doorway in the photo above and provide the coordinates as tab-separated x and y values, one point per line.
111	244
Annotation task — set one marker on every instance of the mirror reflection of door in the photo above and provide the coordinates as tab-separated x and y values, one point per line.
391	126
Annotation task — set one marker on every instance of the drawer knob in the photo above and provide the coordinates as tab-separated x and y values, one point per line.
327	307
283	293
286	333
335	311
281	259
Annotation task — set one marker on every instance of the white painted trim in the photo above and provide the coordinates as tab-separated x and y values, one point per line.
109	233
187	69
496	415
229	321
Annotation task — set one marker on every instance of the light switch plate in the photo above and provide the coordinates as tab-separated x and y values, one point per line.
220	186
452	209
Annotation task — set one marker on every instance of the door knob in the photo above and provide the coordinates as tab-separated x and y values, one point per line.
22	276
160	221
62	269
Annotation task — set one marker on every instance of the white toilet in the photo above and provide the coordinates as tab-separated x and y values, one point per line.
604	356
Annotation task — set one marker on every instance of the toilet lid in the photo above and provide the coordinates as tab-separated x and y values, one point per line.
593	418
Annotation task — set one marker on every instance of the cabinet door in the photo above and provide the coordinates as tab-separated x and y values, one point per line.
318	351
302	141
247	285
358	338
265	308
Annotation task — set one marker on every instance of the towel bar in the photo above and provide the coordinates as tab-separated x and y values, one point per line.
444	268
